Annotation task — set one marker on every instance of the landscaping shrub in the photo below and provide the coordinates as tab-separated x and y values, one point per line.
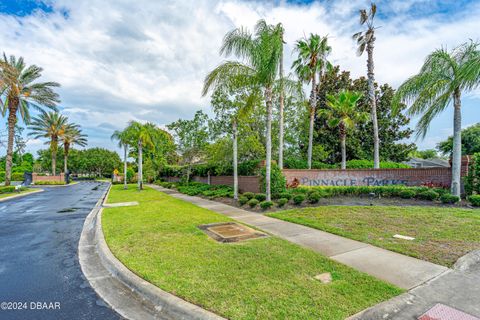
17	176
285	195
428	195
368	164
314	197
449	198
282	201
49	183
474	200
7	189
278	182
130	175
252	203
472	180
260	197
266	205
407	194
242	200
298	199
249	195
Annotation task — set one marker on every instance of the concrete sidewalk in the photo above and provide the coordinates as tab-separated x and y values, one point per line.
400	270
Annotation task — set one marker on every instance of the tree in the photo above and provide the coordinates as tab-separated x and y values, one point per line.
123	142
470	137
19	92
50	125
424	154
191	137
280	31
260	54
312	53
143	135
72	136
343	114
365	41
442	78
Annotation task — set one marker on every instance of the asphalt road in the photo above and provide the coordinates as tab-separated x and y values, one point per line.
39	269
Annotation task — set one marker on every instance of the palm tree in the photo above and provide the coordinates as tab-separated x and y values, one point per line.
72	136
143	134
441	80
21	93
343	114
123	142
280	31
312	53
260	53
365	41
50	125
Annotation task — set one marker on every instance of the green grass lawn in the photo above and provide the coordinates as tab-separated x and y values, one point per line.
9	194
266	278
442	235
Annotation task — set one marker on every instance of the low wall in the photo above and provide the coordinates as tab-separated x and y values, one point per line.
36	177
245	183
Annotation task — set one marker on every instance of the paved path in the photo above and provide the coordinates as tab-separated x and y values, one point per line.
39	236
400	270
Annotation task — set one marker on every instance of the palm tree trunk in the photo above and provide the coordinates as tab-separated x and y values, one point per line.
457	143
313	101
140	167
343	148
373	104
12	119
235	160
282	102
125	166
268	165
53	147
65	165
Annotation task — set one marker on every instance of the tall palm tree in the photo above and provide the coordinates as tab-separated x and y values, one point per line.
312	53
123	142
441	80
343	114
280	31
260	54
72	136
365	41
19	92
143	134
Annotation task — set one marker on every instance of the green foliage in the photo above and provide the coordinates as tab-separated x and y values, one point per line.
266	205
368	164
17	176
7	189
424	154
286	195
282	202
449	198
242	200
314	197
130	175
249	195
278	181
298	199
260	196
211	191
474	200
252	203
472	180
428	195
407	194
470	142
49	183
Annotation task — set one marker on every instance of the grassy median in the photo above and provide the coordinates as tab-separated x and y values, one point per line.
265	278
442	235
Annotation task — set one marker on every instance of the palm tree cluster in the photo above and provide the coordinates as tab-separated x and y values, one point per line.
20	92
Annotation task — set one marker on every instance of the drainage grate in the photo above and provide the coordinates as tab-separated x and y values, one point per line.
443	312
230	232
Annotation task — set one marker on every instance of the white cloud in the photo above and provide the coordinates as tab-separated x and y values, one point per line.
146	60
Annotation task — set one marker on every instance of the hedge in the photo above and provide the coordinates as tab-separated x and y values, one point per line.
49	183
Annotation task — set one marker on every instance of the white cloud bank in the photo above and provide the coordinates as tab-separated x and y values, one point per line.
146	60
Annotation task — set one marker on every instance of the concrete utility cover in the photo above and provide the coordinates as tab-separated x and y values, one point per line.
443	312
230	232
324	277
120	204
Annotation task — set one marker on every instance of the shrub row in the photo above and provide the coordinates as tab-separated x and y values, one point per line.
8	189
49	183
16	176
246	168
197	188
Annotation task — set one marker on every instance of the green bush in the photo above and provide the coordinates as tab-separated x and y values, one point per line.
428	195
298	199
474	200
286	195
314	197
17	176
252	203
7	189
368	164
49	183
266	205
407	194
472	180
449	198
242	200
278	183
260	197
249	195
130	175
282	201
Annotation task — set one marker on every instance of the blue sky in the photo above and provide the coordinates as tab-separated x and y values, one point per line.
146	60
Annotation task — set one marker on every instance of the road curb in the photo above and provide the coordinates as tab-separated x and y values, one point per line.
21	195
140	299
